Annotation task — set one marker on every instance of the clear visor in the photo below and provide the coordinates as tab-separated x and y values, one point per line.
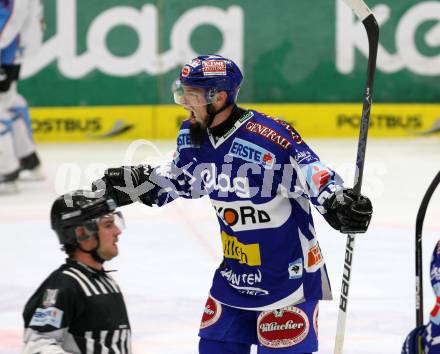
112	219
188	96
109	220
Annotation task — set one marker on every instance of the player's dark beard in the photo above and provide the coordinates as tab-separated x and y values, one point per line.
197	132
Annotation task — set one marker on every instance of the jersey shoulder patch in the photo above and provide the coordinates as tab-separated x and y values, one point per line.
266	127
292	132
47	316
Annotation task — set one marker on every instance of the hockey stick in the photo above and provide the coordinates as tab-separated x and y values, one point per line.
419	256
366	16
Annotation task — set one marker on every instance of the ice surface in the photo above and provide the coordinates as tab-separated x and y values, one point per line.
168	255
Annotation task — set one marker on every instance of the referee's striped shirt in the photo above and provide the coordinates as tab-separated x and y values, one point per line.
79	309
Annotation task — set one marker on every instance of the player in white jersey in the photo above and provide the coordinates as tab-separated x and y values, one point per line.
21	32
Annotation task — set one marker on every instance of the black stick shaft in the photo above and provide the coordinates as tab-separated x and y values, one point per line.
372	29
419	254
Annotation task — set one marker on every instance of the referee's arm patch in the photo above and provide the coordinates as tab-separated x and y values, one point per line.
50	316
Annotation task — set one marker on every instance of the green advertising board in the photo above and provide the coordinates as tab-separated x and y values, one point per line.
128	52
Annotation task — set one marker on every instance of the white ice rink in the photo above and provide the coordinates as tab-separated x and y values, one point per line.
168	255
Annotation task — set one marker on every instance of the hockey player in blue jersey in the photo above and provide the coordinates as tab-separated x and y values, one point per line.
262	179
21	33
426	339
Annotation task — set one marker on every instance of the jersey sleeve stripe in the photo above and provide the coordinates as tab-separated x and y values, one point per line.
115	340
128	342
86	280
103	335
90	343
80	282
123	341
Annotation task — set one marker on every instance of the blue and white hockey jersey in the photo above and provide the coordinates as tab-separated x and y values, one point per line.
21	30
431	335
425	339
261	178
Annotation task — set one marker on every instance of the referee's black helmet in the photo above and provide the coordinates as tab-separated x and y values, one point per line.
78	208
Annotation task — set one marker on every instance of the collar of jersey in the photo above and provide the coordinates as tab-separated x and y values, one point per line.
243	119
82	266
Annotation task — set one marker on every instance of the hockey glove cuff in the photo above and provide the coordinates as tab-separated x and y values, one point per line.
347	212
127	184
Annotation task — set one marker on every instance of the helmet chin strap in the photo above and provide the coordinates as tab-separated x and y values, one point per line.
96	256
94	252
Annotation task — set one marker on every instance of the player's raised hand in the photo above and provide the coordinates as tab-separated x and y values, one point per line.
347	212
126	184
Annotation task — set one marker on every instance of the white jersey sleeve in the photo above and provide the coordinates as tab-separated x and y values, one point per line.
31	34
12	19
36	342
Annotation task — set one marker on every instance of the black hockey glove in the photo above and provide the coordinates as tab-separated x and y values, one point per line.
348	213
126	184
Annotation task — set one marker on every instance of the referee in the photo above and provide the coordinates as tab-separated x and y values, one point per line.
79	308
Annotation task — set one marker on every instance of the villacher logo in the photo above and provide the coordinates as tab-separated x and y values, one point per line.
211	313
282	328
